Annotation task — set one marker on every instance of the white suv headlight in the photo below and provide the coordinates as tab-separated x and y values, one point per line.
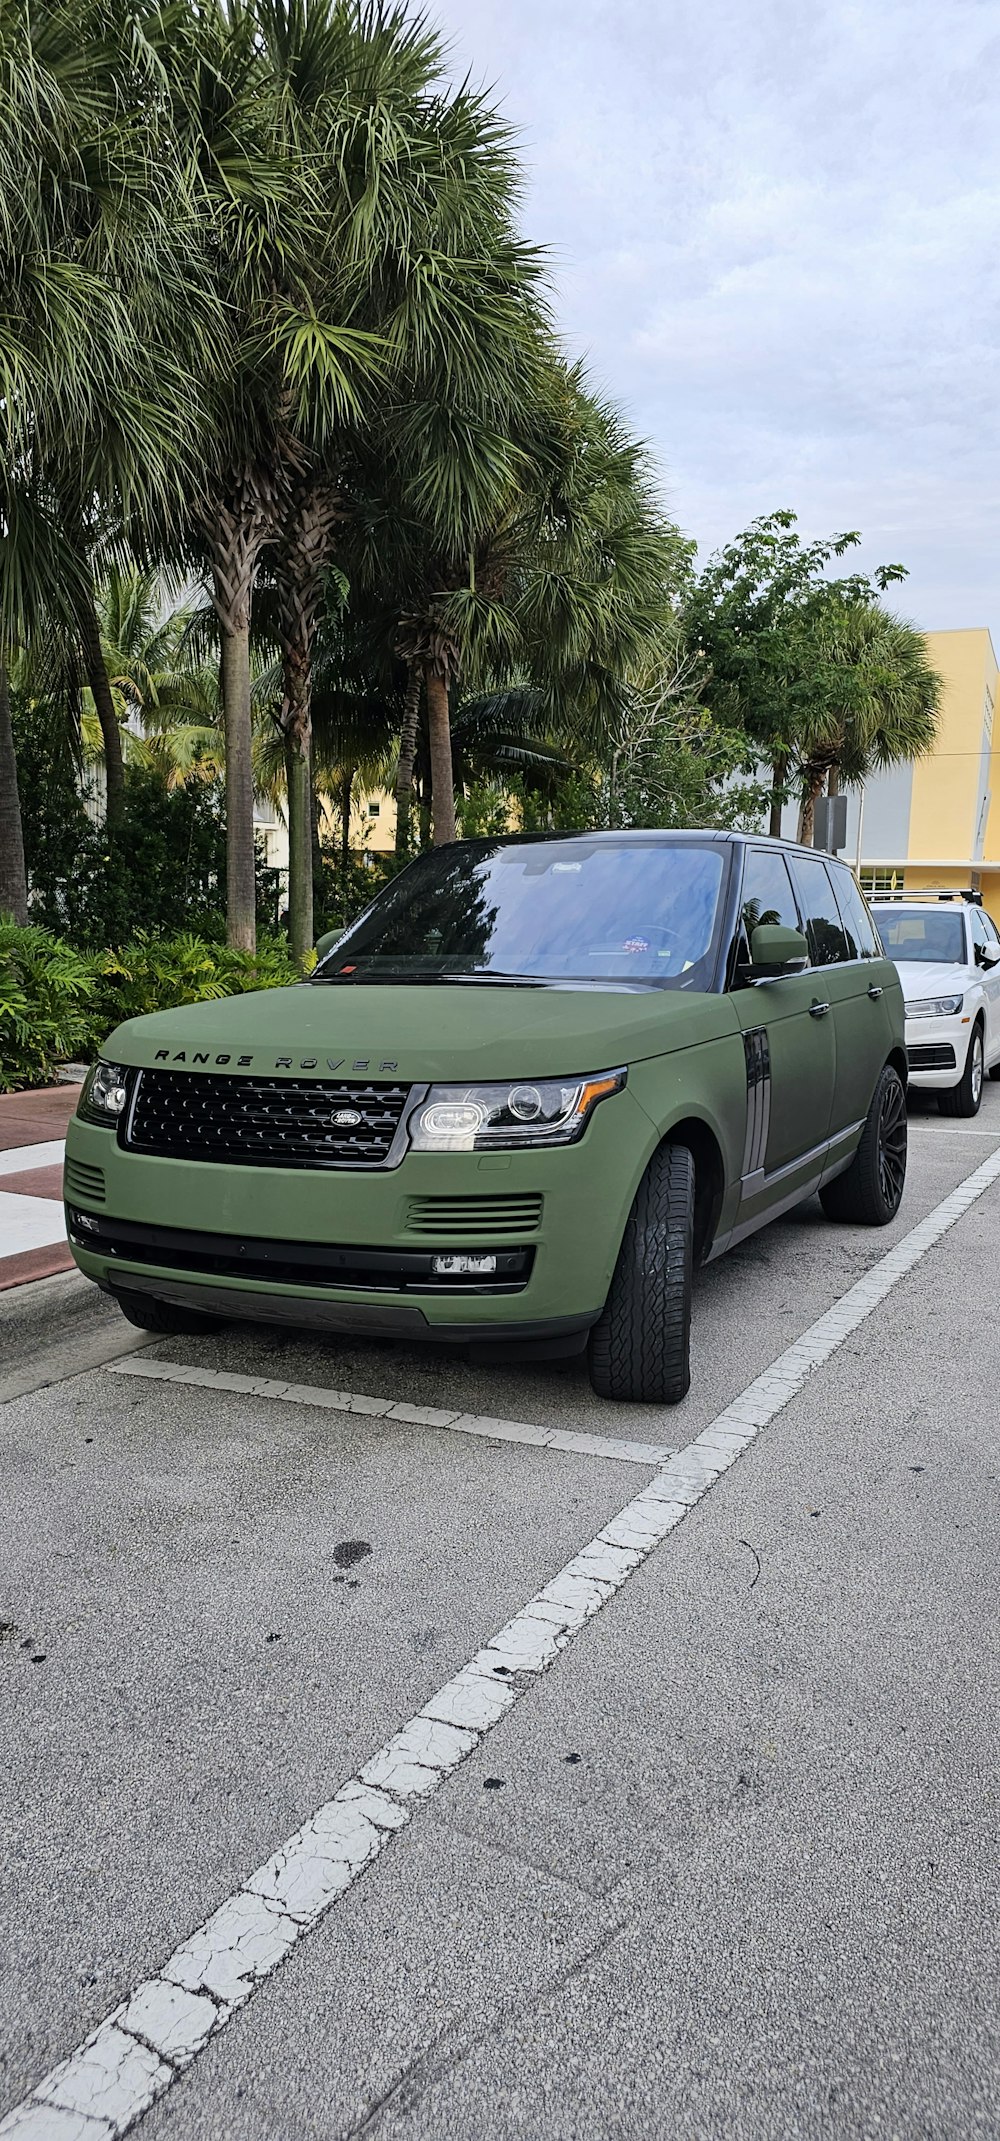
934	1006
530	1111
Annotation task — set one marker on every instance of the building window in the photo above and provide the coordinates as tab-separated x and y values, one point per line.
876	884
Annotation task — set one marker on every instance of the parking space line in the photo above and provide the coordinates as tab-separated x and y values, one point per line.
458	1423
131	2058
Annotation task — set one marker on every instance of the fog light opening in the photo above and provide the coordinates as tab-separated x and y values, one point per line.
471	1265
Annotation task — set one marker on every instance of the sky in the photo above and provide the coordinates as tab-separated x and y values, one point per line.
774	232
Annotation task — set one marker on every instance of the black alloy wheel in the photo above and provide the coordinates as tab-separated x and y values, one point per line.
870	1190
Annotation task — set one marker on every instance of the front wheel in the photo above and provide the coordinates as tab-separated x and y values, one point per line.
869	1192
639	1350
965	1098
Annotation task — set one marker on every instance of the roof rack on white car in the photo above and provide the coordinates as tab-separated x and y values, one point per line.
967	893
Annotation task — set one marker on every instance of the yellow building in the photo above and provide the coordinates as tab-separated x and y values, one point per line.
937	822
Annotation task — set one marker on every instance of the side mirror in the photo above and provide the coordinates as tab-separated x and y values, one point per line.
988	955
775	950
326	943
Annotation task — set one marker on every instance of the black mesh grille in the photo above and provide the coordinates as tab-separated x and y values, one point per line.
936	1055
265	1122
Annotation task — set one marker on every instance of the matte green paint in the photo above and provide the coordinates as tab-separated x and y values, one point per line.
686	1064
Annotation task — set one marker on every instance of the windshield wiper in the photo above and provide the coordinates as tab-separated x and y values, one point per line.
422	974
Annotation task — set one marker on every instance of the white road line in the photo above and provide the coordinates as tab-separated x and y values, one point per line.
134	2055
29	1223
952	1130
19	1159
459	1423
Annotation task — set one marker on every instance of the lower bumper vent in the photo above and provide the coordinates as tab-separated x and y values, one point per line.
289	1263
936	1055
455	1218
82	1180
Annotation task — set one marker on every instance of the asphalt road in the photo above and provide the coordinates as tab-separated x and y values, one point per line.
728	1867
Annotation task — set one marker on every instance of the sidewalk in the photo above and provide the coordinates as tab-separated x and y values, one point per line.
32	1134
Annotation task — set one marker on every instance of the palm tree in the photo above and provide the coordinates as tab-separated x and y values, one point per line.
566	589
882	706
104	306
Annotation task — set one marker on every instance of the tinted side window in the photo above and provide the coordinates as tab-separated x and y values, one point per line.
990	927
767	890
862	943
824	928
977	921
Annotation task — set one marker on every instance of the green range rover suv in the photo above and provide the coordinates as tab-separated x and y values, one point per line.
520	1100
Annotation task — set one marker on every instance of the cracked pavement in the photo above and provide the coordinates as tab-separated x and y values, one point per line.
724	1867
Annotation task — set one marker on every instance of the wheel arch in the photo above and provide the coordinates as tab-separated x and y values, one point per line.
897	1061
709	1176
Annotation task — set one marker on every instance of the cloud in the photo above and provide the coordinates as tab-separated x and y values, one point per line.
774	234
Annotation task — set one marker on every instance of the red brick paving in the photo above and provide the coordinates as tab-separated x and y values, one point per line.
34	1182
35	1119
34	1264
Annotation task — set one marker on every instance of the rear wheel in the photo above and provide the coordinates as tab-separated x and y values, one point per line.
168	1317
965	1098
639	1350
869	1192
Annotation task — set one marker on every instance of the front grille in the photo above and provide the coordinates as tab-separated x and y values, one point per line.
935	1055
81	1180
289	1263
264	1122
455	1218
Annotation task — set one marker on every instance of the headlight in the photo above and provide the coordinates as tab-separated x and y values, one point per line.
105	1093
533	1111
934	1007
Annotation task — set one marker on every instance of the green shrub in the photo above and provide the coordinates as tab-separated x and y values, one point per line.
46	1005
56	1005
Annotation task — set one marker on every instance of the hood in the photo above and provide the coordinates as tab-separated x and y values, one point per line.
433	1033
919	977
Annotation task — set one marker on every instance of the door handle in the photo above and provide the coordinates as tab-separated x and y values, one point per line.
874	993
818	1010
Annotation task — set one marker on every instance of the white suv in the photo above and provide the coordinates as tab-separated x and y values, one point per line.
947	951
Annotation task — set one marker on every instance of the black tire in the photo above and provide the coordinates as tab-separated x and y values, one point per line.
966	1097
168	1317
639	1350
869	1193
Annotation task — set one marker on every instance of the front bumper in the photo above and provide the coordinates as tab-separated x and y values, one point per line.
351	1252
936	1049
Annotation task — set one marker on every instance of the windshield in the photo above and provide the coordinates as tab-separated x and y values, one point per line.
643	912
934	936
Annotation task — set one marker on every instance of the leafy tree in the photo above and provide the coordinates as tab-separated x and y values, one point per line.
759	616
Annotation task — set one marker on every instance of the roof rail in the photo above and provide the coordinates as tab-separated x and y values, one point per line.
967	893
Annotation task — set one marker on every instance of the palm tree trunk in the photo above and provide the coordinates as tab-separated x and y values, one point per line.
779	775
236	527
833	781
297	632
308	537
346	805
241	892
815	782
96	673
298	781
439	740
407	754
13	879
